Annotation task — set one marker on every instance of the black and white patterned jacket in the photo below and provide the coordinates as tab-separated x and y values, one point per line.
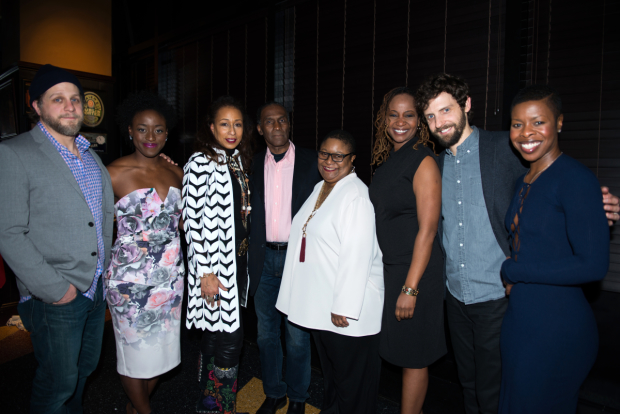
209	226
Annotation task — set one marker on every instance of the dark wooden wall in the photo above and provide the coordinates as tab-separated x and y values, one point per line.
346	55
341	57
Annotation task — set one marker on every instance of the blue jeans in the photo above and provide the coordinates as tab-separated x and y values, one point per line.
297	339
67	343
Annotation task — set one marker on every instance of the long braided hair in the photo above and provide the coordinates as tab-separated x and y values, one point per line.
384	142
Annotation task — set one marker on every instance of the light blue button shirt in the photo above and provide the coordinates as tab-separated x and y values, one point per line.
473	257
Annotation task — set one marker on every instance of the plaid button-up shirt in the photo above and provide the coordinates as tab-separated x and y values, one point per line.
88	176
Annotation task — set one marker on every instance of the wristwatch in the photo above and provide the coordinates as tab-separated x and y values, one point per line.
409	291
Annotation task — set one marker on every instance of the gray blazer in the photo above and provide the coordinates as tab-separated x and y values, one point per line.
45	236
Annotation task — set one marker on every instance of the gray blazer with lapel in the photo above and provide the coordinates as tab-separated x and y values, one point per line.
500	167
45	231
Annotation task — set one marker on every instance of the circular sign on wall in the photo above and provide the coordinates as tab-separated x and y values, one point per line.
93	109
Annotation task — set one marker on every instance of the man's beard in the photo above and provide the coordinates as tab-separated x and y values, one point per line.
69	130
449	141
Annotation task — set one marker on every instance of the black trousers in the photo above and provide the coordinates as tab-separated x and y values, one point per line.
475	331
351	369
224	346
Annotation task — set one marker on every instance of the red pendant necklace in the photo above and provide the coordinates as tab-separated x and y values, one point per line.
302	251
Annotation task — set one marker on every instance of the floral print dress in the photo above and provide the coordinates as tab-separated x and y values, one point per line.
145	281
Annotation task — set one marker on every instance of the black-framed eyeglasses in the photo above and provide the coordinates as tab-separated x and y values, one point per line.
323	155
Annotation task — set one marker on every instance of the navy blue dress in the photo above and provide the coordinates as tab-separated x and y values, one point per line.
559	240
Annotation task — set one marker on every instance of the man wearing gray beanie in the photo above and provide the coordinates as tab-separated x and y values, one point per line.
56	201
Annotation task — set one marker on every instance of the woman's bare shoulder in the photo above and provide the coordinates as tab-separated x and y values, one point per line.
121	167
178	171
122	162
171	168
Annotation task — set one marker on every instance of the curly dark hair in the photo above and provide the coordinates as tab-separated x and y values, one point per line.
206	141
436	84
383	142
144	101
538	93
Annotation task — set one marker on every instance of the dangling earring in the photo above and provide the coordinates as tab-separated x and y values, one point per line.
130	138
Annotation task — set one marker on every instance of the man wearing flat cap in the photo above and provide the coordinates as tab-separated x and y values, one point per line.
56	205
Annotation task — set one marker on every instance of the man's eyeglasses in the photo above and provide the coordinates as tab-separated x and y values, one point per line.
335	157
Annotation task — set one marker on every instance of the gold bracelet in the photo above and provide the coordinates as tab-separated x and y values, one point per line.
410	291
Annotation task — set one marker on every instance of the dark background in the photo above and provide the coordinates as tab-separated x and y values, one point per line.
331	62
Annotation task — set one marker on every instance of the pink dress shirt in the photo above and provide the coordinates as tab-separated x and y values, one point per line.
279	195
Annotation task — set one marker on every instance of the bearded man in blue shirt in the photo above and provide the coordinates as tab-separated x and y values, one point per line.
479	171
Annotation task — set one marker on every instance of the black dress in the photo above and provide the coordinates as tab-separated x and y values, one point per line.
420	341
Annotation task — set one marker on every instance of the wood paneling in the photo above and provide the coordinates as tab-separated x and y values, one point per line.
577	51
396	42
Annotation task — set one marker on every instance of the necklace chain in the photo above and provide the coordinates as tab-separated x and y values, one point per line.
316	207
242	179
543	170
319	203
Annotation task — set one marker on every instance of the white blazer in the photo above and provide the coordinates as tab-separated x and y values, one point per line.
343	270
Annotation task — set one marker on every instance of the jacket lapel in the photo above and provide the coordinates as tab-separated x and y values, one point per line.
105	176
487	152
259	175
55	158
301	165
442	157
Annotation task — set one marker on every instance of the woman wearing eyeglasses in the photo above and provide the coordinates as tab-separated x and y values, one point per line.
333	279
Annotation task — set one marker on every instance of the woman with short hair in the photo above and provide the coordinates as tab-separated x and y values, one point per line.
559	241
333	281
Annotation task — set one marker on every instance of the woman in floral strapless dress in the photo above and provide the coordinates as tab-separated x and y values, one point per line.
145	283
145	278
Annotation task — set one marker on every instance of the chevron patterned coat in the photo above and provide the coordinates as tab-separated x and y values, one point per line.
209	224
